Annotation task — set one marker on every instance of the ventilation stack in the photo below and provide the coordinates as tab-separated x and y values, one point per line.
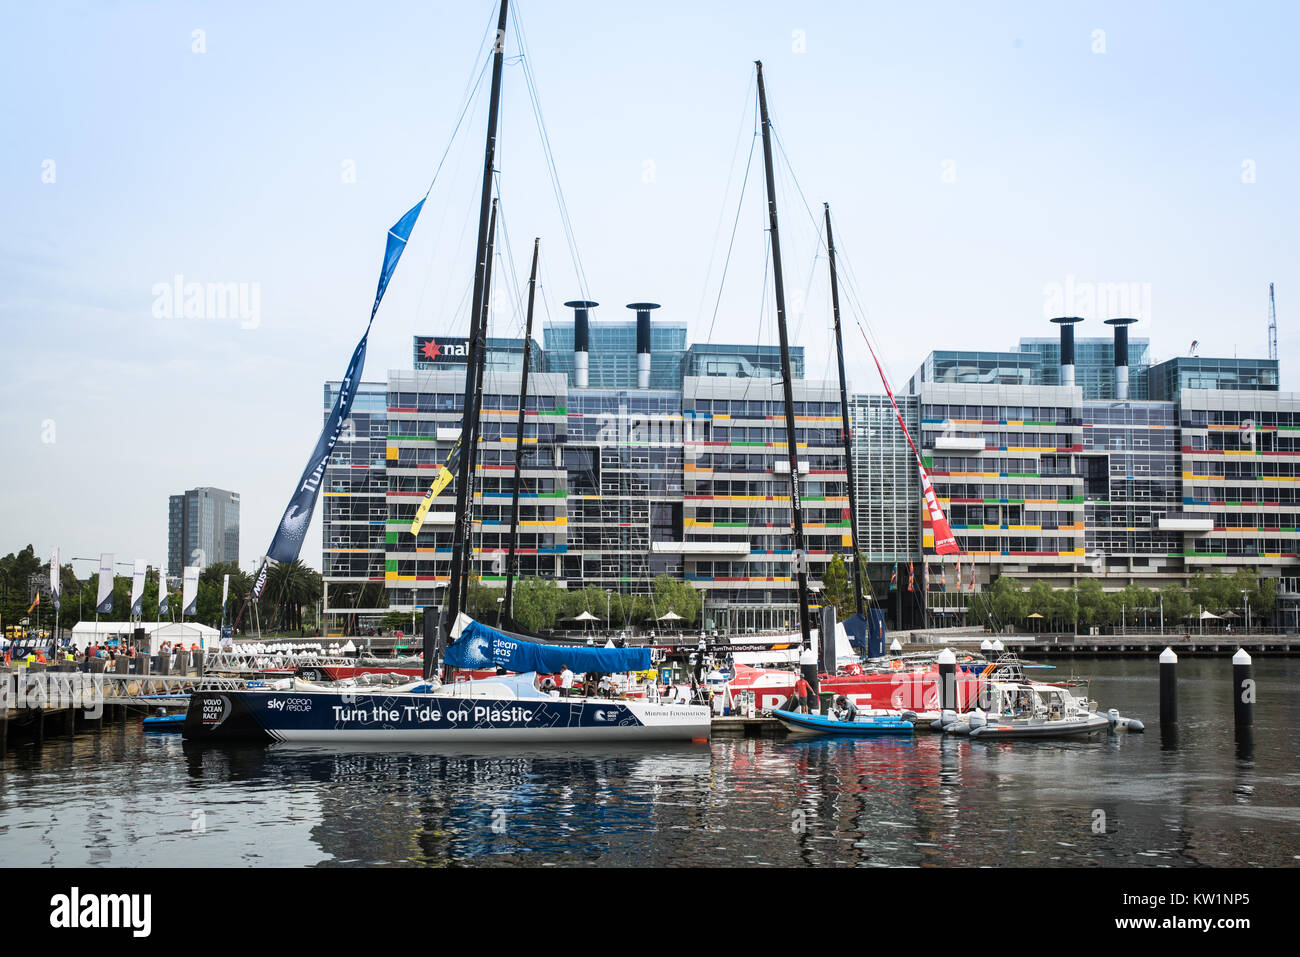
1121	355
1067	347
643	341
581	338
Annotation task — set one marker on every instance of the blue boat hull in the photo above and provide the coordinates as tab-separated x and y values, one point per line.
342	717
820	724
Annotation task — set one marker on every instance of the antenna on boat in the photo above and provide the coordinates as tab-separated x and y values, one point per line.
464	481
796	503
509	608
844	414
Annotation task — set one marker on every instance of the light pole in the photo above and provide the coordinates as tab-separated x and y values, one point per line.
1162	613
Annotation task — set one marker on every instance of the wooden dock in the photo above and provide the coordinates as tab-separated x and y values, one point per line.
36	702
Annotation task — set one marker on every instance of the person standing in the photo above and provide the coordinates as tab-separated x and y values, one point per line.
566	682
802	695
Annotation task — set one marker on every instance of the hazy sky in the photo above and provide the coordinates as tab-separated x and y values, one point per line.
974	156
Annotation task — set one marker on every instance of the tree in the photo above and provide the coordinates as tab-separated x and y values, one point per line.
671	594
837	588
537	602
1008	600
1177	604
289	586
1095	606
1040	600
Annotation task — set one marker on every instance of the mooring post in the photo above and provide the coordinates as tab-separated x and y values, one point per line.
1168	688
1243	691
947	661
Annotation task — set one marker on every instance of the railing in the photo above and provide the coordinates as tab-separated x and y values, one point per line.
50	690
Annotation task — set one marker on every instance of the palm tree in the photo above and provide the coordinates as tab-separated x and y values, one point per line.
290	586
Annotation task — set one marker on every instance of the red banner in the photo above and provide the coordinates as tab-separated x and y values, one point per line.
944	541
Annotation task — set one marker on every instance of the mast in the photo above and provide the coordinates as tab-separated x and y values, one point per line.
519	441
466	476
796	502
472	416
844	413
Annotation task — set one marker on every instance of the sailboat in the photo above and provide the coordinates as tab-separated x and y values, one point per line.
385	709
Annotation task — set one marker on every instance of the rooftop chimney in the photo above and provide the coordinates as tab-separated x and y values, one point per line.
581	317
643	341
1121	355
1067	347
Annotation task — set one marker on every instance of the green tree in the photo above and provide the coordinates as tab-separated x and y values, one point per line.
672	594
289	586
1177	605
537	603
837	588
1095	606
1008	600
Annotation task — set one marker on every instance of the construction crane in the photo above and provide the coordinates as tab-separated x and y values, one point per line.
1272	324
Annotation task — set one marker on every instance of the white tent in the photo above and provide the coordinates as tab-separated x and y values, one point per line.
177	632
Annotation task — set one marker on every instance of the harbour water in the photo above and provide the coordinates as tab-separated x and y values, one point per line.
118	797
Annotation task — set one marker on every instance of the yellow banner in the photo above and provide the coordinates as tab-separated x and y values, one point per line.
439	483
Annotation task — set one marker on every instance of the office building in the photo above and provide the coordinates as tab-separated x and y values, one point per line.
202	528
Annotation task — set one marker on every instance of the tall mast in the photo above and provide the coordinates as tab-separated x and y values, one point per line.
519	441
466	471
474	414
844	413
796	502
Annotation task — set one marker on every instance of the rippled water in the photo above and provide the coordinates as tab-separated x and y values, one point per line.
122	798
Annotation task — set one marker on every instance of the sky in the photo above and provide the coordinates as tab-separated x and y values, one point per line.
980	159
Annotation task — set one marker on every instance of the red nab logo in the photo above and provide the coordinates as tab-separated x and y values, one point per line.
429	349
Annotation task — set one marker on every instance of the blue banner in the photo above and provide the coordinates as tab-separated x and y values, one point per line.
482	647
292	530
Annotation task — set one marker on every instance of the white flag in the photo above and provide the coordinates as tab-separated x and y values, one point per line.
225	590
190	590
56	590
137	585
104	601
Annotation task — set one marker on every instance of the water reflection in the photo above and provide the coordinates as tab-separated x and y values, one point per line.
119	798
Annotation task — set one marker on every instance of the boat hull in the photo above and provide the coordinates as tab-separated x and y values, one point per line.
820	724
342	717
1040	729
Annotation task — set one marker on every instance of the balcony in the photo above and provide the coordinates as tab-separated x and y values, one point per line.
700	548
959	443
1183	522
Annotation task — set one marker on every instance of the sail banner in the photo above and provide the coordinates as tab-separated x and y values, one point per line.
137	585
446	472
162	591
482	647
190	590
225	590
945	543
56	589
441	482
261	581
104	599
292	531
